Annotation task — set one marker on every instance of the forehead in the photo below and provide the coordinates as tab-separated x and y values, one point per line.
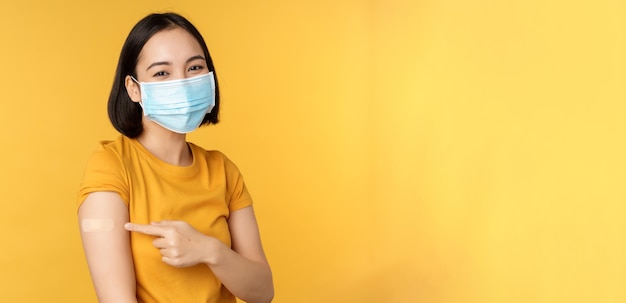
169	45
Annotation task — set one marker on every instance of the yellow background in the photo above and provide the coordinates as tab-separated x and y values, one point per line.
398	151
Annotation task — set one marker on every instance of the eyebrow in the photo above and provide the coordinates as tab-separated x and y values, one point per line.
170	63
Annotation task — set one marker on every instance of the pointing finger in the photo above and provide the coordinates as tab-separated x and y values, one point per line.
152	230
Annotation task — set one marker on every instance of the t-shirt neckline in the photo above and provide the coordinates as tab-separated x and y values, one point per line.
182	171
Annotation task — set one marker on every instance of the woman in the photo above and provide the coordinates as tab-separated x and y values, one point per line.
163	220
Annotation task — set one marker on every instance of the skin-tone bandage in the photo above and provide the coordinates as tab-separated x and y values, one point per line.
96	225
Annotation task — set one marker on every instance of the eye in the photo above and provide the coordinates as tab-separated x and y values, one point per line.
160	74
196	68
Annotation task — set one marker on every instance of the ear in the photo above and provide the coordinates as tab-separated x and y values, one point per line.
132	88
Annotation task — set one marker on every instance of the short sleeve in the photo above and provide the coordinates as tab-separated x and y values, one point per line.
237	195
104	172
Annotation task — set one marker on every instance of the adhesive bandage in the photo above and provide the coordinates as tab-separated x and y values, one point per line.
95	225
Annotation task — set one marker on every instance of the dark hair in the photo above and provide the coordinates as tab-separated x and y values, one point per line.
125	115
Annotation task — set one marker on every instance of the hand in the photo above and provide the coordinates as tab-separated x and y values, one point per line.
180	244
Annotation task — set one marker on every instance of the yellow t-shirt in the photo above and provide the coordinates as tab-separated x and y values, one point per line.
202	194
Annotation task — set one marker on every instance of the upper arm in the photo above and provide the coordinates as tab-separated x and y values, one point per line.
245	237
108	251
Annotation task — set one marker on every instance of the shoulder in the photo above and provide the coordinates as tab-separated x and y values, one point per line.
216	159
114	158
211	156
109	153
105	171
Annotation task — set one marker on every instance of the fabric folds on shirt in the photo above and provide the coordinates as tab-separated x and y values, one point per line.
202	194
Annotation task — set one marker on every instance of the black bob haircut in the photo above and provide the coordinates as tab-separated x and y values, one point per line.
126	115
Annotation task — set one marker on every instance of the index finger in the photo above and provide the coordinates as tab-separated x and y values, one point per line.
147	229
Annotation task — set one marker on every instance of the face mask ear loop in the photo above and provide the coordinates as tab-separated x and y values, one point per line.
136	81
140	102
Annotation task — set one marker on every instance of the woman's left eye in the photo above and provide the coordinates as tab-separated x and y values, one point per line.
196	67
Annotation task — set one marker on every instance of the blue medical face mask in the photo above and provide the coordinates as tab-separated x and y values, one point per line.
178	105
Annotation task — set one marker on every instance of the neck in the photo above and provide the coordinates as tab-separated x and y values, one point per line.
168	146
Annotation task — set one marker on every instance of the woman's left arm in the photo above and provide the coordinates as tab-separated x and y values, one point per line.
244	269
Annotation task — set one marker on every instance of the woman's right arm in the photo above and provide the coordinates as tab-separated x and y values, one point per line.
101	219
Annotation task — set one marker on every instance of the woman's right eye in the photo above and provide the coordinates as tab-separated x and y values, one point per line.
160	74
